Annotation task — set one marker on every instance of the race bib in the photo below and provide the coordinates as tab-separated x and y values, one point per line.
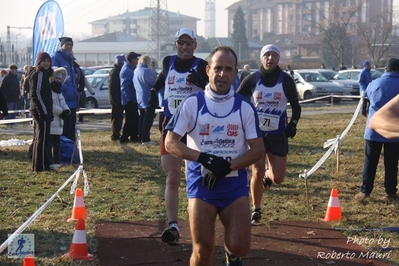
268	122
174	102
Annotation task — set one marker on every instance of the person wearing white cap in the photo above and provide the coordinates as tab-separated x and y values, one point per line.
270	89
181	75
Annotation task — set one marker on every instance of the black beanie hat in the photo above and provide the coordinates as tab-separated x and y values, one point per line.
63	40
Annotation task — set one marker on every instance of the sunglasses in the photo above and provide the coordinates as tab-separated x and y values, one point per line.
188	43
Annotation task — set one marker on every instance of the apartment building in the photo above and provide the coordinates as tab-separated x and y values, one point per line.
137	23
300	16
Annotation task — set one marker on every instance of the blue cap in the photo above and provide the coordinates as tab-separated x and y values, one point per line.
365	63
120	58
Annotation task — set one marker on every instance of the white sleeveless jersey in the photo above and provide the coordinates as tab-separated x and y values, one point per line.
220	129
222	136
271	105
177	88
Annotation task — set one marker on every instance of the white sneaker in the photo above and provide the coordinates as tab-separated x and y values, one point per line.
55	166
148	143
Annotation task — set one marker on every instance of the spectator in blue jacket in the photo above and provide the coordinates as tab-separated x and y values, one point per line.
143	80
128	99
64	58
364	77
380	92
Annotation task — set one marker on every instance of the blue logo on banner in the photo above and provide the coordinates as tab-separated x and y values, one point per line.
48	27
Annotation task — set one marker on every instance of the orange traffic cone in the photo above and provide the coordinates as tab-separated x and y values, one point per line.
29	261
78	249
79	209
333	212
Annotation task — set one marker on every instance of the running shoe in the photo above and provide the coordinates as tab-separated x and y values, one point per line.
255	218
232	260
171	236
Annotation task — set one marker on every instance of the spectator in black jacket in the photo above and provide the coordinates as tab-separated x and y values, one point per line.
41	109
114	89
3	106
10	88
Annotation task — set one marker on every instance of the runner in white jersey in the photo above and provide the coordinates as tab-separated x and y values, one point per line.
223	139
270	88
182	74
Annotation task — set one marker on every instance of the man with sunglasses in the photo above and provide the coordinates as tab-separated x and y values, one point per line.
181	75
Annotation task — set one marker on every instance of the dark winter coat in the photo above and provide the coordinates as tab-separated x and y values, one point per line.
114	85
41	100
10	87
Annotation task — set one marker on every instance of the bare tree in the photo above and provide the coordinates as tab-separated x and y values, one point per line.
378	35
336	25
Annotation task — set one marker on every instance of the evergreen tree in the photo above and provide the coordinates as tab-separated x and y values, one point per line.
239	35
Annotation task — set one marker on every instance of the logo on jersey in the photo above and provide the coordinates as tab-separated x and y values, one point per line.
219	143
180	80
232	130
171	80
258	95
277	96
203	130
268	95
218	130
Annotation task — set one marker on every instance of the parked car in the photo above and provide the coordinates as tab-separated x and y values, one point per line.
103	71
310	84
351	87
381	69
354	73
88	70
100	99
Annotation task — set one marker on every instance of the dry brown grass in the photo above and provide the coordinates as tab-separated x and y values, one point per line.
127	183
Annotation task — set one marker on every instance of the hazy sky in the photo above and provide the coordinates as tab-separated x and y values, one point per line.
78	13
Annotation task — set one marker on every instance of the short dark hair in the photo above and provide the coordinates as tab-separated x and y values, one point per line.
223	49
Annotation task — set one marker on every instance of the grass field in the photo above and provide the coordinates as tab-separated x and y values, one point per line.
127	183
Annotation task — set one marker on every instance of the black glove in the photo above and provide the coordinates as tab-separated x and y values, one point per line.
154	99
365	107
56	86
209	180
290	130
217	165
195	78
64	114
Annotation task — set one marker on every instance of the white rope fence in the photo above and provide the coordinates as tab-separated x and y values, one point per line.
334	143
75	175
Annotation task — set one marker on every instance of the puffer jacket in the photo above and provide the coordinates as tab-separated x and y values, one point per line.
69	88
59	104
